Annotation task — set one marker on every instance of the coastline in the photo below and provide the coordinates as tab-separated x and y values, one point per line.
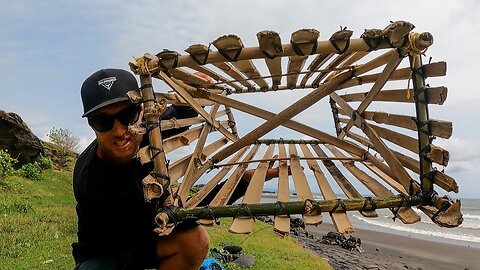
381	250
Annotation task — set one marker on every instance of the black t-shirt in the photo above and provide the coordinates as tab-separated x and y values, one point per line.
114	221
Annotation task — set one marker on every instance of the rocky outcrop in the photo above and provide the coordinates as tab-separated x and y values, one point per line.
18	139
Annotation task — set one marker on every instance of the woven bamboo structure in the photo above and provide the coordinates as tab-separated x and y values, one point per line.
391	155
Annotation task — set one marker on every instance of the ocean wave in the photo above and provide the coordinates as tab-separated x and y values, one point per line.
410	229
471	216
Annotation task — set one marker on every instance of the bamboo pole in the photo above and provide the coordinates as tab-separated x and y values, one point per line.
153	110
284	115
392	64
323	47
340	220
253	194
307	130
185	95
299	207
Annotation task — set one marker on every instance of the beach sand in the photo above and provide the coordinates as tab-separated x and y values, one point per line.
389	251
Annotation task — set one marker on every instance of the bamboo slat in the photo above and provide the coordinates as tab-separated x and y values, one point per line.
435	95
437	69
335	62
226	191
406	214
340	220
295	65
207	188
301	185
342	181
271	45
231	45
439	128
178	168
187	180
316	63
253	194
282	222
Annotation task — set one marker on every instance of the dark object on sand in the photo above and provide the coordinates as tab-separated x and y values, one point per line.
335	238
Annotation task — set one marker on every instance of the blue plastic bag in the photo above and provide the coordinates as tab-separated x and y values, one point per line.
211	264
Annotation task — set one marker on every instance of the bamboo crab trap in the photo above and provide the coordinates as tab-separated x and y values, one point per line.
391	155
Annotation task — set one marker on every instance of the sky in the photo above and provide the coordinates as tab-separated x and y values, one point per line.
47	49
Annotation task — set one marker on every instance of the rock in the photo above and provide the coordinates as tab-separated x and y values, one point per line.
233	249
245	261
18	139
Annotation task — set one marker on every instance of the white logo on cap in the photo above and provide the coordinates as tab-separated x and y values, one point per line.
107	82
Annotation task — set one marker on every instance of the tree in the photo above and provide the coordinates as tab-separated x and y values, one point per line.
64	140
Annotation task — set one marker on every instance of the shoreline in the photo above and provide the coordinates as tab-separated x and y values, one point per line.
380	250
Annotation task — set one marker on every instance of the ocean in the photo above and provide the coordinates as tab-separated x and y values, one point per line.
467	234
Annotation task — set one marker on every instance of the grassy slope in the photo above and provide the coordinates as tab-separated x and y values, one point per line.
38	225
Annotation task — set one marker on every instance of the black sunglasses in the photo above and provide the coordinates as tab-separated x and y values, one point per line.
104	122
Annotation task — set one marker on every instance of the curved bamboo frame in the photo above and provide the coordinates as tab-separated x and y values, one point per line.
378	157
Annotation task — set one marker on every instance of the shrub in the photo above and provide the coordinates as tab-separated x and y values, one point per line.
64	140
6	164
31	171
44	162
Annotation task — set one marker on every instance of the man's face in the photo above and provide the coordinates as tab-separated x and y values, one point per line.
117	145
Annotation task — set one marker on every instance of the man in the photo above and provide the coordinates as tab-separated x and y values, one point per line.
115	224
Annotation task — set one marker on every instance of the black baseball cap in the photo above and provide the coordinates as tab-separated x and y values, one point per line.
106	87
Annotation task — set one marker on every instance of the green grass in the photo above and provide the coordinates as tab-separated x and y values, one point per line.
270	250
38	225
37	222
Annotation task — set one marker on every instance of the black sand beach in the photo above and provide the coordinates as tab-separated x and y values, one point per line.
388	251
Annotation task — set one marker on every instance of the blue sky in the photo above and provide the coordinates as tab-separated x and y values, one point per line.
47	48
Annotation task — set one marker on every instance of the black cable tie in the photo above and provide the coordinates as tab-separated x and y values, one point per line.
157	151
160	175
246	209
278	207
339	202
335	45
209	212
442	208
370	44
151	126
395	211
205	59
170	211
231	59
160	60
213	167
365	203
147	85
410	187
